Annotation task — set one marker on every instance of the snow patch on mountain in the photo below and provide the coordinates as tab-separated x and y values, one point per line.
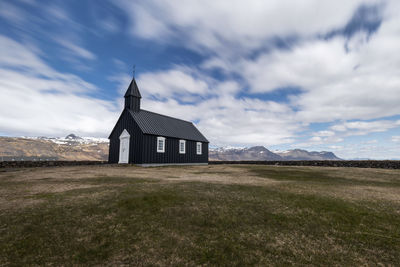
71	138
262	153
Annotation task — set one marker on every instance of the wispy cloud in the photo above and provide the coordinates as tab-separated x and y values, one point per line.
212	26
76	49
226	65
364	127
42	101
12	13
224	118
181	82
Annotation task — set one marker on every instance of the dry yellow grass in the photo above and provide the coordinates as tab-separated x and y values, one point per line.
59	179
199	215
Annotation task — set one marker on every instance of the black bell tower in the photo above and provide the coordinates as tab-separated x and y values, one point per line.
132	97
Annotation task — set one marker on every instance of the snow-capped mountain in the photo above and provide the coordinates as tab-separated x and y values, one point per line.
252	153
262	153
71	147
71	138
300	154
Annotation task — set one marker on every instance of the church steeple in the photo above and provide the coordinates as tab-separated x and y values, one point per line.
132	97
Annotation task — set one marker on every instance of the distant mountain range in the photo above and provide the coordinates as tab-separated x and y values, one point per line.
73	147
262	153
299	154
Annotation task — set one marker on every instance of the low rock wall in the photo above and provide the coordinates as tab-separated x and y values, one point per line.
30	164
384	164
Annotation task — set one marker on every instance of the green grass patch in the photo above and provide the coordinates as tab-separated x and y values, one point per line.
212	172
308	175
190	223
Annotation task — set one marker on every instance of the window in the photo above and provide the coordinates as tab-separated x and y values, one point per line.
160	144
198	148
182	146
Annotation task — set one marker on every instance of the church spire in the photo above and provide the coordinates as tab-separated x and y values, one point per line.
132	97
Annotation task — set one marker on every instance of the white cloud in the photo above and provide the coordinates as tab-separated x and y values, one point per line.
336	147
332	88
318	140
119	64
396	138
50	22
339	77
177	81
364	127
339	132
337	84
339	128
57	14
75	49
347	81
226	120
18	59
38	100
214	25
367	151
222	117
324	133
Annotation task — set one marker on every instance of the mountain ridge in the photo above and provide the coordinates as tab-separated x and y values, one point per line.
70	148
76	148
262	153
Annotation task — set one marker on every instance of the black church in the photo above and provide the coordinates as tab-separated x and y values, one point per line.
146	138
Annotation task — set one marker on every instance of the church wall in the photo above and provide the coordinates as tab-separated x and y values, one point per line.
136	138
171	154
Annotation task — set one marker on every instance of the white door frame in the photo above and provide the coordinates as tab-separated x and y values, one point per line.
124	140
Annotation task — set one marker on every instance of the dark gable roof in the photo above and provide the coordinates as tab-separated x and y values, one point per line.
157	124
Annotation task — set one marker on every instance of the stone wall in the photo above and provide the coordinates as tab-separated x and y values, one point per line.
30	164
384	164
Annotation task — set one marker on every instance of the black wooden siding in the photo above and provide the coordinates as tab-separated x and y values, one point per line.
171	154
135	145
143	147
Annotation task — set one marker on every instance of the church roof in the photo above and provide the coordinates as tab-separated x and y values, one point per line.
133	89
157	124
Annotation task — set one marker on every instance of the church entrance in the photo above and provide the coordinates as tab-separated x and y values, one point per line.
124	147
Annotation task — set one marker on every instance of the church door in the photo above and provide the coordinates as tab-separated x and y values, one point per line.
124	147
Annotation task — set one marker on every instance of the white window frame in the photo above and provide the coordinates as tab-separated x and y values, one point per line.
184	147
160	138
199	146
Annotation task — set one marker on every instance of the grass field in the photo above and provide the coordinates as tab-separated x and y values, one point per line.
203	215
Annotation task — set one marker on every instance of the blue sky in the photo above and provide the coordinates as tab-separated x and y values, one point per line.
318	75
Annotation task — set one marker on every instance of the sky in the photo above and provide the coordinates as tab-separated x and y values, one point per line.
310	74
